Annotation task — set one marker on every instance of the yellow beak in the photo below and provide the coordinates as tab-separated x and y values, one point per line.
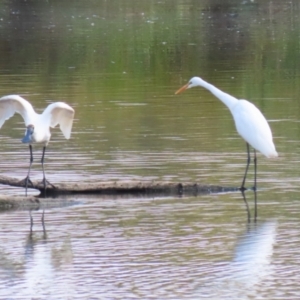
182	89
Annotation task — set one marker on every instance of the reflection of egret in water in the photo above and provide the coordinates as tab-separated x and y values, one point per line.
250	266
35	269
12	270
37	262
42	220
247	206
43	266
46	271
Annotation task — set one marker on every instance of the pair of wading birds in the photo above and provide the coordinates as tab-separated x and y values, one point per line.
249	121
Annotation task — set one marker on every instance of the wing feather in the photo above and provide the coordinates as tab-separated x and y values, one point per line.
62	114
9	105
254	128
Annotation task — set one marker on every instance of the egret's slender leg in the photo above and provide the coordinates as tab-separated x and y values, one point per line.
247	167
247	206
255	169
44	177
42	161
254	188
45	181
27	179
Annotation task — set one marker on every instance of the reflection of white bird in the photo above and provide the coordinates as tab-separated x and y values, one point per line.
249	121
252	261
37	125
251	266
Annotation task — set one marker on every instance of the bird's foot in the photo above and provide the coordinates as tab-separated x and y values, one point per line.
26	182
46	183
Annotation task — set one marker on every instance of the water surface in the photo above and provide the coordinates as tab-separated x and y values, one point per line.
119	65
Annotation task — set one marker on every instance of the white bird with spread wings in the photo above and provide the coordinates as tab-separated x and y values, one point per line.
37	125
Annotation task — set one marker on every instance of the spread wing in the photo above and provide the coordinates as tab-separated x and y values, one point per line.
62	114
9	105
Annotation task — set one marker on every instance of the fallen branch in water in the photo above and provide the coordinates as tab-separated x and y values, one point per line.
32	202
120	187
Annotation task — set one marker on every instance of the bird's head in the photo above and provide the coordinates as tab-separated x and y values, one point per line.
28	137
195	81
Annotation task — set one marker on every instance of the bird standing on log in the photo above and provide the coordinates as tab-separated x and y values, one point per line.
37	125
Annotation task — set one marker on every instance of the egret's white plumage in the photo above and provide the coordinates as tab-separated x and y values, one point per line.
37	125
249	121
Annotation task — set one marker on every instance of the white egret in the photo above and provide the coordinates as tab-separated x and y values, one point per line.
249	122
37	125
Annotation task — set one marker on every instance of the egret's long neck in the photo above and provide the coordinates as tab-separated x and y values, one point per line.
228	100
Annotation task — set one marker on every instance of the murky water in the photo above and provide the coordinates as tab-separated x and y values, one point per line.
119	64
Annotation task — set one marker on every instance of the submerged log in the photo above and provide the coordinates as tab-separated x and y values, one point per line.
120	187
32	202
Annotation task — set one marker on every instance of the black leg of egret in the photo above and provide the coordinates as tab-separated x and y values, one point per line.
255	169
27	179
254	188
45	181
247	167
44	177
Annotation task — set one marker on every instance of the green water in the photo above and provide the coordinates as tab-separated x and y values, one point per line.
119	63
